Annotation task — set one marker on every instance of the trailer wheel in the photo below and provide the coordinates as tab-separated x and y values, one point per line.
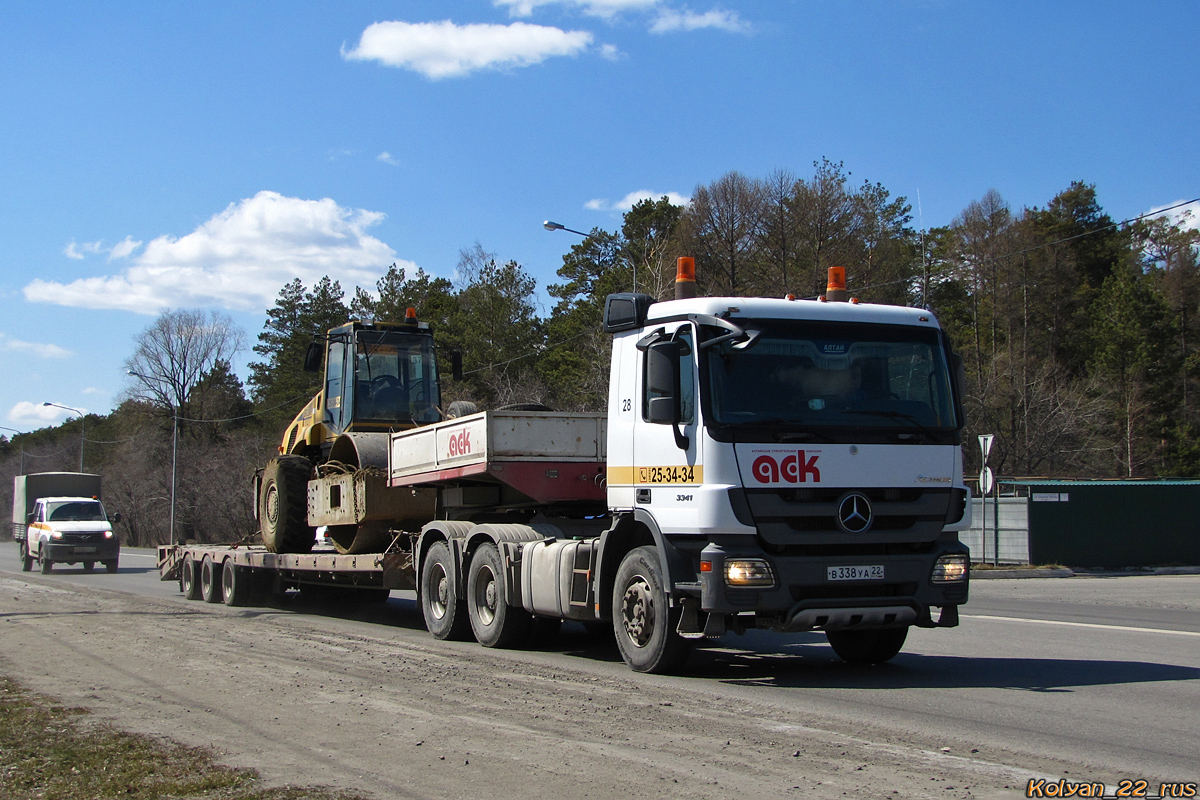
445	616
26	559
872	646
44	562
111	566
210	580
236	584
643	622
283	506
88	566
493	621
189	578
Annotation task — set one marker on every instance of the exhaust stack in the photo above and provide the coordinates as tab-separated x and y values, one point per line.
685	278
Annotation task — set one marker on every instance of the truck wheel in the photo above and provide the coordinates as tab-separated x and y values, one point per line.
493	621
868	646
111	566
210	580
44	562
235	584
643	622
26	559
189	578
283	506
88	566
445	616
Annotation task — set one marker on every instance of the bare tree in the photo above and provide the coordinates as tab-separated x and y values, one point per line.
177	350
725	222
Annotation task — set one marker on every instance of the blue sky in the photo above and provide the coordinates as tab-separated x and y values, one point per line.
200	155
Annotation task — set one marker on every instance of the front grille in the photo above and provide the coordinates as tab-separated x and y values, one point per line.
808	516
76	537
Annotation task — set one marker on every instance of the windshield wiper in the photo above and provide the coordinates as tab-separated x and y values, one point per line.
792	430
900	415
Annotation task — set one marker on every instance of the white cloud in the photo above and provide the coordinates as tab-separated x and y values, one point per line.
94	390
123	249
30	414
80	251
38	349
238	259
670	21
627	202
445	50
609	52
1186	216
388	158
596	8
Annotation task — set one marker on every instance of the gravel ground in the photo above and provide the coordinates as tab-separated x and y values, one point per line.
390	711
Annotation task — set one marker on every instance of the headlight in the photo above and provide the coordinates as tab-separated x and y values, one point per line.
951	569
749	572
55	534
108	534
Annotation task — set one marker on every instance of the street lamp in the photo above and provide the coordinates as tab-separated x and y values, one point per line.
554	226
14	430
174	450
82	423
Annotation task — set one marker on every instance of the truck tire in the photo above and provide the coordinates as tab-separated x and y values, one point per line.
210	580
88	566
872	646
643	622
44	562
236	584
283	506
493	621
445	615
111	566
189	578
26	559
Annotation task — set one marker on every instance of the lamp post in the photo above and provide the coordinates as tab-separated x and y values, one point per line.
14	430
82	424
554	226
174	451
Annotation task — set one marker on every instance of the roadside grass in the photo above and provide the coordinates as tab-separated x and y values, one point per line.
50	752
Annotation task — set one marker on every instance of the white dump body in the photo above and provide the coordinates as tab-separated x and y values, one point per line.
468	445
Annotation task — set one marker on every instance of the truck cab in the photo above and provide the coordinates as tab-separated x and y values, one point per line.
71	530
797	463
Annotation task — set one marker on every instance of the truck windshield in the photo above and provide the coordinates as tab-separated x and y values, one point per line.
820	376
76	511
396	375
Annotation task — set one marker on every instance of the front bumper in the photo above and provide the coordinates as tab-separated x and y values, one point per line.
803	597
70	553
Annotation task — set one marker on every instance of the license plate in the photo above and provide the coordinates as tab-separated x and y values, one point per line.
872	573
85	550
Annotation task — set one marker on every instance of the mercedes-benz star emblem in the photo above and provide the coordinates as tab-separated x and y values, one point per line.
854	513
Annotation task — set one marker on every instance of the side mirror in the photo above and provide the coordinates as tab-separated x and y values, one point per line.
662	382
456	370
117	518
313	357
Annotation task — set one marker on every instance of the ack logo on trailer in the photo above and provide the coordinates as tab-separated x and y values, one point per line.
460	443
797	468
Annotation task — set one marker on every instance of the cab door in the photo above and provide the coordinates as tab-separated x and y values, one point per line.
668	463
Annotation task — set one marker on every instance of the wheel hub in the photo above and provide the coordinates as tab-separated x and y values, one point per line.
637	607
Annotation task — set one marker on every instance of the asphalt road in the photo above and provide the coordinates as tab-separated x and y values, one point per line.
1101	672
